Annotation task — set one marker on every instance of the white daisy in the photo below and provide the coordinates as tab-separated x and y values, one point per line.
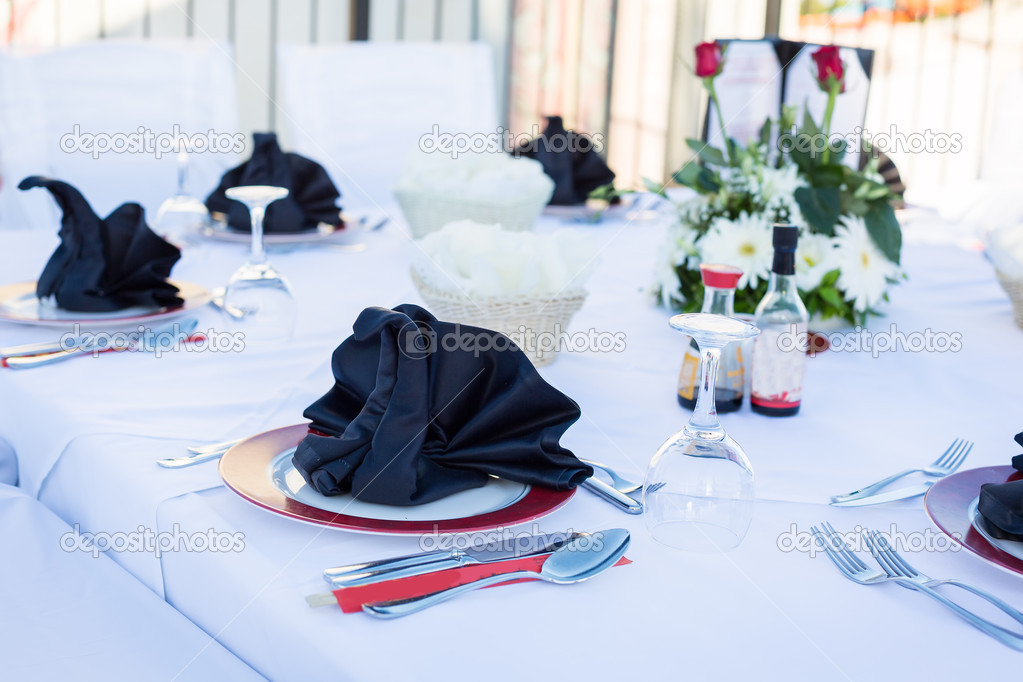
778	192
780	183
679	247
815	257
744	243
864	269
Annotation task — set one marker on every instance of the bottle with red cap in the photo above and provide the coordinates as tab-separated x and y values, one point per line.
719	282
779	352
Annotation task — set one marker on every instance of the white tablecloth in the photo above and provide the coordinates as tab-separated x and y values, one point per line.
86	433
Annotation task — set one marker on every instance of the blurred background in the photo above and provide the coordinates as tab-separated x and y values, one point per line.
617	67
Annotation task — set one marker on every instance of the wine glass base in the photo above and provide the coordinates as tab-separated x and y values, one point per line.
696	536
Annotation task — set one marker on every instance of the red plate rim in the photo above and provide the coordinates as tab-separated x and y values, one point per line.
948	501
194	296
244	469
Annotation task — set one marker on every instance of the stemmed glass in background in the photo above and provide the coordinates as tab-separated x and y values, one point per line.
706	502
182	216
258	299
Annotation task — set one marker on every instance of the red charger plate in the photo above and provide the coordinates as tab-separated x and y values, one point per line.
947	504
245	469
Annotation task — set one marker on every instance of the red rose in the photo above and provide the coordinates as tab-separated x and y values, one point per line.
709	60
829	64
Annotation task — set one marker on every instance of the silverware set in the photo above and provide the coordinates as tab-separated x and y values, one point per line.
892	567
32	355
569	558
947	463
618	492
566	561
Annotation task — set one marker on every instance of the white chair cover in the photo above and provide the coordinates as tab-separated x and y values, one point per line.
112	89
361	108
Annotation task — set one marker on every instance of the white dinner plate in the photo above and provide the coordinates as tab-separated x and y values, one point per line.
18	303
1008	546
259	469
323	234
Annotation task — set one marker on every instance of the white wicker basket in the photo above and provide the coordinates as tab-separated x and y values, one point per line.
1013	287
426	212
535	323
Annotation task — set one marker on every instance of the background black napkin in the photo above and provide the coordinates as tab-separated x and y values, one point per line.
312	196
570	160
410	422
105	265
1001	504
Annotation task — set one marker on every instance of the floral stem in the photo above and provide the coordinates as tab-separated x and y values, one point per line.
709	84
826	123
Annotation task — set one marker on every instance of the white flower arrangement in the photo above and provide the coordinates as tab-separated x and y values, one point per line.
849	243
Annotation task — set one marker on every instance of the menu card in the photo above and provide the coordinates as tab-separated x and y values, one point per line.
762	76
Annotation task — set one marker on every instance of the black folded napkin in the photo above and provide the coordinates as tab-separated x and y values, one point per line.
570	160
412	418
312	196
105	265
1001	504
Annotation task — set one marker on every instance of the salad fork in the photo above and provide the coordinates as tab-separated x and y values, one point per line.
199	454
622	485
855	569
949	461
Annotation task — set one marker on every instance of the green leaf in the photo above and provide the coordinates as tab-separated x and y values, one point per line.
707	154
838	150
687	174
830	278
765	133
707	181
820	206
831	295
884	229
809	127
830	175
803	160
788	117
655	187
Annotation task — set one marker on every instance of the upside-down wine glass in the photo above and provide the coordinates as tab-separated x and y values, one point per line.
258	300
182	216
706	502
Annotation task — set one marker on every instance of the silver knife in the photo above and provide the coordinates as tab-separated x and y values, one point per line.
428	562
891	496
182	330
624	502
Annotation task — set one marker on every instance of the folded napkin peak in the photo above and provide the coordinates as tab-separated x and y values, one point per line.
104	264
414	417
570	159
312	196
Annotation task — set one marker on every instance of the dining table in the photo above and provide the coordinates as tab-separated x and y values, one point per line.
83	437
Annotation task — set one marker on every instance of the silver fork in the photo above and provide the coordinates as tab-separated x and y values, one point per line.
949	461
897	567
200	453
622	485
853	568
627	503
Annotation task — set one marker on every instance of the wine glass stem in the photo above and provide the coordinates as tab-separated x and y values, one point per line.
258	254
182	170
704	423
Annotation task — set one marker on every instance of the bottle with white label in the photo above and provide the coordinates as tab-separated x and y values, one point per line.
719	282
779	353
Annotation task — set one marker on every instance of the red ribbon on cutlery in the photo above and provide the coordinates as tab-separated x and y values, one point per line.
351	599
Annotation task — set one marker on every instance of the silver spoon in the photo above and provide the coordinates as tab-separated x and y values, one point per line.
579	560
